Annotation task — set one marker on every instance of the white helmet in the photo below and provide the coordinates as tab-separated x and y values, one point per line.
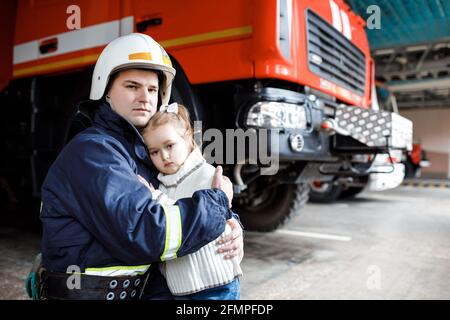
134	50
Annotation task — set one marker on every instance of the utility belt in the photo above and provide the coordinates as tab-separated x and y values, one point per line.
59	286
44	285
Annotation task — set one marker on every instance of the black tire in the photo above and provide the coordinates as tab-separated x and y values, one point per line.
281	202
328	194
351	192
410	169
183	93
55	106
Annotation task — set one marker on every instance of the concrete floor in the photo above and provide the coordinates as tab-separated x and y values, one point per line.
391	245
387	245
17	251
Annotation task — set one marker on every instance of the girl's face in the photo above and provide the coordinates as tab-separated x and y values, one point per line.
168	149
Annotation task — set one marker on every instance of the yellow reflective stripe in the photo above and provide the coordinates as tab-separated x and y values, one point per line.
140	56
180	235
118	270
226	33
166	244
89	59
173	232
120	267
167	61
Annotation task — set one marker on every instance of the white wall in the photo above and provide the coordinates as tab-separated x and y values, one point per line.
431	127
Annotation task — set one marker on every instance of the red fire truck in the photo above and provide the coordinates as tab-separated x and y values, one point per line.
299	68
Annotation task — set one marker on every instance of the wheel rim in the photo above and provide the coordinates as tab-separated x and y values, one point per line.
320	186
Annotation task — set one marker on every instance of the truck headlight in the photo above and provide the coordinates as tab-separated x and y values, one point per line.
268	114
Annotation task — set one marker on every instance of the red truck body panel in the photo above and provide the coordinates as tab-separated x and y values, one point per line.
7	22
213	41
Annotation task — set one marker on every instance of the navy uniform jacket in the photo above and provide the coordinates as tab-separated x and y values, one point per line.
95	212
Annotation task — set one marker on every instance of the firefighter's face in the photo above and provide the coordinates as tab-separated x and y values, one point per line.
134	95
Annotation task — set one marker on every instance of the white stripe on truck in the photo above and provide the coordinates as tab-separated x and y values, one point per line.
71	41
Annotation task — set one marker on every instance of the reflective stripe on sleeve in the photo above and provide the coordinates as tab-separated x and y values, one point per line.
173	232
117	271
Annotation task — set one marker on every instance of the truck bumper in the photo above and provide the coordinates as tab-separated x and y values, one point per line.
375	129
357	130
292	144
386	177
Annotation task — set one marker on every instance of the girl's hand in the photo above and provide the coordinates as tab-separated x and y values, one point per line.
233	242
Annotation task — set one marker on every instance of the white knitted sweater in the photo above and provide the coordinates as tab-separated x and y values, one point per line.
204	268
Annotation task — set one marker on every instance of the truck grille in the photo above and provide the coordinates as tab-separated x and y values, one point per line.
333	57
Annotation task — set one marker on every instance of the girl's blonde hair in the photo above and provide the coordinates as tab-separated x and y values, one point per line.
181	119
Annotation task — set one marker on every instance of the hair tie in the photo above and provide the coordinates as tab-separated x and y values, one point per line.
171	108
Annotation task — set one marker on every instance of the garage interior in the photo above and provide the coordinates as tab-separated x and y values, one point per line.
383	245
412	56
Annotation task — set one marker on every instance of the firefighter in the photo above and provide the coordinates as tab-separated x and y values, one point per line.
103	234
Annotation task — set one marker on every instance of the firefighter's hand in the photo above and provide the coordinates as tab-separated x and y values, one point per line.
223	183
145	183
233	242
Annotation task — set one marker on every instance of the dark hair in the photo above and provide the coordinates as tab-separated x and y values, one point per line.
112	78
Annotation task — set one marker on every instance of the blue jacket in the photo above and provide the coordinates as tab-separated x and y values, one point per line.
95	212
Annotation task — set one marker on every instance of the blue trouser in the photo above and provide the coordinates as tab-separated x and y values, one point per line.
230	291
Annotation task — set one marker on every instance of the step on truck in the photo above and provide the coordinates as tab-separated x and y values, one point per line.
296	70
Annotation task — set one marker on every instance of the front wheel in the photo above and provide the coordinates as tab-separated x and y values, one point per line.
411	170
351	192
266	206
324	192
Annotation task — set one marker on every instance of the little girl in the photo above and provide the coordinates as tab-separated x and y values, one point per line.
204	274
